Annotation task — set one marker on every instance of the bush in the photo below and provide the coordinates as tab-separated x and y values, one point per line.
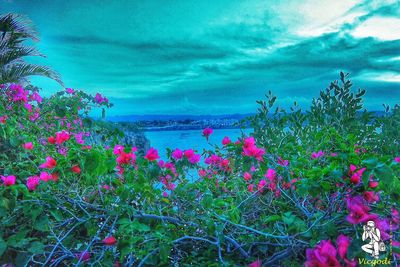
303	181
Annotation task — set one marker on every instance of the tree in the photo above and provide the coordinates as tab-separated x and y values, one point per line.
15	30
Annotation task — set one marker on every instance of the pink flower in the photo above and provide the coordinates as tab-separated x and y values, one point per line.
207	132
61	137
110	241
397	159
358	211
177	154
118	149
261	185
251	150
202	173
36	97
45	177
257	263
316	155
226	141
28	107
188	153
8	180
250	188
343	243
152	154
32	183
125	158
247	176
70	91
371	196
83	256
28	146
100	99
194	158
165	194
283	162
373	184
3	119
76	169
79	138
49	164
51	140
271	175
324	254
357	175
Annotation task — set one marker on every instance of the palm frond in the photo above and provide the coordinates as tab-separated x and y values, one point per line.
17	24
22	70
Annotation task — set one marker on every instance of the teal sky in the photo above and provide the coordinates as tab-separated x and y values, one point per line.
205	57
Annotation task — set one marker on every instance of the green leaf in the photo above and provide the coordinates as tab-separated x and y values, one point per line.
3	246
36	247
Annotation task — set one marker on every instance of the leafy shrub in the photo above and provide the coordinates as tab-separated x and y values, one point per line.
303	181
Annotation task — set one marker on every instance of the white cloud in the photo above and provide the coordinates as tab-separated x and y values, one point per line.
383	28
380	76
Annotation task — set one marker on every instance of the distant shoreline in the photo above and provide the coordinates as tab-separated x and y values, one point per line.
184	128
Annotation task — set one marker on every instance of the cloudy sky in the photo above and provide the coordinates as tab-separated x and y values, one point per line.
219	56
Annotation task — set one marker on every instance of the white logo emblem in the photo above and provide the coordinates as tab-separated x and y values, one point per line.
375	244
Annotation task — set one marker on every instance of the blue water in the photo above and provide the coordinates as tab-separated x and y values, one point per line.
190	139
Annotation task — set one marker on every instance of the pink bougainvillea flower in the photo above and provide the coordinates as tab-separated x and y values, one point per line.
356	175
283	162
51	140
395	215
62	136
8	180
207	132
226	141
257	263
79	138
18	93
177	154
324	254
49	164
188	153
3	119
202	173
152	154
124	158
317	155
247	176
118	149
36	97
28	107
343	243
251	150
100	99
397	159
250	188
194	158
83	256
110	241
358	211
55	176
385	226
165	194
271	175
32	182
45	176
76	169
69	90
373	184
261	185
28	146
371	196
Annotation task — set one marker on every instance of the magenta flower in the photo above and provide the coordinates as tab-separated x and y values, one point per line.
36	97
324	254
358	211
61	137
28	146
152	154
317	155
70	91
397	159
271	174
32	183
45	176
188	153
194	158
207	132
247	176
118	149
49	164
177	154
8	180
226	141
251	150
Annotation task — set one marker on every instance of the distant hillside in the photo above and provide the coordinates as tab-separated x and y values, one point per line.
163	117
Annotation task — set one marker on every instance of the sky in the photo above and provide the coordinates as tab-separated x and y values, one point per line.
219	56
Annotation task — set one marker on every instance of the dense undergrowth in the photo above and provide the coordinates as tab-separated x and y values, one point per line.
302	182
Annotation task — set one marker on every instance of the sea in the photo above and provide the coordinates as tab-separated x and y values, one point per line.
190	139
